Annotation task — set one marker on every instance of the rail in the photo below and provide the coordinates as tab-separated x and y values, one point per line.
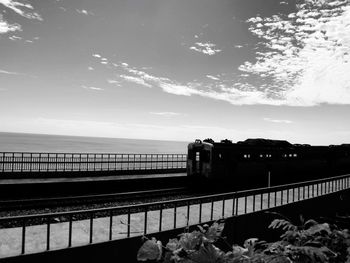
76	162
35	233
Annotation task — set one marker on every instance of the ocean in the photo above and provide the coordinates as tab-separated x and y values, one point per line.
26	142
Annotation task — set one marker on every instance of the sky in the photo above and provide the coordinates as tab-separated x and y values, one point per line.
177	69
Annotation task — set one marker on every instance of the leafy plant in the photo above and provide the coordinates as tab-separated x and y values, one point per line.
308	242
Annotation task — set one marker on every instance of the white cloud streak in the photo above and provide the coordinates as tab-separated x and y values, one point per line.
277	121
91	88
205	48
9	72
136	80
166	113
84	12
24	10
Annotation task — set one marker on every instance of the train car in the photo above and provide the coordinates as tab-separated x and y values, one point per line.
262	162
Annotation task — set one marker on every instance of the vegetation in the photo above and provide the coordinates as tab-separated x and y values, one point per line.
308	242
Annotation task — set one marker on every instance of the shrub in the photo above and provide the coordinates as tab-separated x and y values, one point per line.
308	242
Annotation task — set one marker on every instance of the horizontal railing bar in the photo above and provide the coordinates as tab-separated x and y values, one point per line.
175	202
90	153
11	162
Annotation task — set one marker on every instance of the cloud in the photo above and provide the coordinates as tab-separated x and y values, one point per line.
84	12
24	10
91	68
14	38
114	82
234	93
136	80
9	72
166	113
305	55
277	121
6	27
205	48
96	55
212	77
91	88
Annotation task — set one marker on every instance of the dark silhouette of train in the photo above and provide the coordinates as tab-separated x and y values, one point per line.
262	162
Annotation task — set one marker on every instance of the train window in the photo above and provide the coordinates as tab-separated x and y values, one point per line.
284	155
261	156
197	156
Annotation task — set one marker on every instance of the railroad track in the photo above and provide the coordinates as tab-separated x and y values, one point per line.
15	204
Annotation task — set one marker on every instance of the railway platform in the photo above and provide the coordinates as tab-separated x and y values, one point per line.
70	186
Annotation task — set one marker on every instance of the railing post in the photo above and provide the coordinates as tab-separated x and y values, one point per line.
145	225
110	224
254	203
200	211
3	162
48	233
160	217
70	230
128	223
223	207
175	213
12	162
23	236
188	213
21	163
91	227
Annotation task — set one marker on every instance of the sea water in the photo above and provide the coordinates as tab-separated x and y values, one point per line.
26	142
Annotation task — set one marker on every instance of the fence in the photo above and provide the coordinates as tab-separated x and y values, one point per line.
70	162
61	230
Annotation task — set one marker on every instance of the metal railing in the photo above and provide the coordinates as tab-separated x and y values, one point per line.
61	230
70	162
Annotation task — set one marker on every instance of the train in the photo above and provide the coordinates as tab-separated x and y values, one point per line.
256	163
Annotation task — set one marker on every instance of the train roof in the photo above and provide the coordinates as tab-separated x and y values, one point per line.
265	142
261	142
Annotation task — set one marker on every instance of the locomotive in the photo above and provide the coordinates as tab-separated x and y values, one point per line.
255	163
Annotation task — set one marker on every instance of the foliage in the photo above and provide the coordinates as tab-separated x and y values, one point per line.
308	242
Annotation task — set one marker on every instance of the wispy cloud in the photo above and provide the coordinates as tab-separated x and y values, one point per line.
5	27
277	121
15	38
136	80
9	72
114	82
25	10
235	93
91	88
305	55
84	12
166	113
212	77
205	48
